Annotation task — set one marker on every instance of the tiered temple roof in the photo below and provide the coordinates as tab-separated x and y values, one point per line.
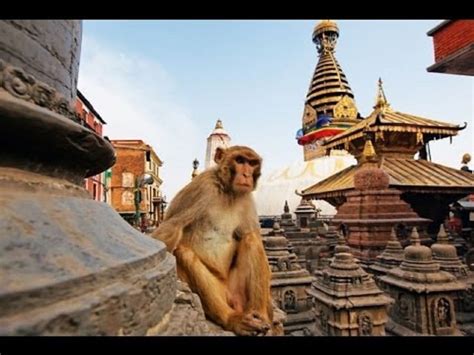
397	138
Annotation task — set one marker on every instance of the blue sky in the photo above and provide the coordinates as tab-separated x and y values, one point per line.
168	81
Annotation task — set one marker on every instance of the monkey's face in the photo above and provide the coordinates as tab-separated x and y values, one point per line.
244	168
238	168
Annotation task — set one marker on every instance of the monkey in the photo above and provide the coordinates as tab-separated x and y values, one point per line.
212	228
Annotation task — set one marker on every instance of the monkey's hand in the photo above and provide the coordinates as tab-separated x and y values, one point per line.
250	323
277	329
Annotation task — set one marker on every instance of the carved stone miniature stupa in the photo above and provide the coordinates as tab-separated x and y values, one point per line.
289	283
347	300
424	295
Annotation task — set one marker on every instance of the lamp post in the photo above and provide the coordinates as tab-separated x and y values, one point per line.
195	167
163	205
145	179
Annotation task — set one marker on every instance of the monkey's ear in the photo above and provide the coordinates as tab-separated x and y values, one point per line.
219	155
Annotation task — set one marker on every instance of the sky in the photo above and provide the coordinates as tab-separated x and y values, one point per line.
168	81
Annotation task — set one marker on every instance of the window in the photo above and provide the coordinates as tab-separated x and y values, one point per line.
94	191
127	198
127	180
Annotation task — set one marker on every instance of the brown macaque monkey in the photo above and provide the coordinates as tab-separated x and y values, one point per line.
212	228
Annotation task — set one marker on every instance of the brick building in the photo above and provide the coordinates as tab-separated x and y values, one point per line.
453	42
90	118
134	159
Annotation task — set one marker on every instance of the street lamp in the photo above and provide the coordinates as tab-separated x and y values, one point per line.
145	179
163	205
195	166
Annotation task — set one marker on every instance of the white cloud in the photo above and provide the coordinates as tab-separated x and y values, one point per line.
135	96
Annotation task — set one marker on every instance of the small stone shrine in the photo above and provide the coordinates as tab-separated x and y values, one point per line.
305	214
391	257
424	295
289	284
347	300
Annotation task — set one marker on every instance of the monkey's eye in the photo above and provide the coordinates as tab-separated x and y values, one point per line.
253	162
240	160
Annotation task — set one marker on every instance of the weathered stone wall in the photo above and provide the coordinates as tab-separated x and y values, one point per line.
33	46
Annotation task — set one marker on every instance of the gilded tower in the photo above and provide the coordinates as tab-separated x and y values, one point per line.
329	107
218	138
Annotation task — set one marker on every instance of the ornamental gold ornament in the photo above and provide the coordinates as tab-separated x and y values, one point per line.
345	108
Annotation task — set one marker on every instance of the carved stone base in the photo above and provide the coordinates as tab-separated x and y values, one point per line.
72	266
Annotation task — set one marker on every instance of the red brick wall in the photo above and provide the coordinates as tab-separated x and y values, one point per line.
452	37
95	124
130	161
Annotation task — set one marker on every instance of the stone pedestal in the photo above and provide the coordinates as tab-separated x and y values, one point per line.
68	265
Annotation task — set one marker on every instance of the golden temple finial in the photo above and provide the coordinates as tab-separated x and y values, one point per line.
219	124
368	154
466	158
325	36
326	25
381	102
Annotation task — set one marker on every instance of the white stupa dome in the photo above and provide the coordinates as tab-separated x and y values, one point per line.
279	185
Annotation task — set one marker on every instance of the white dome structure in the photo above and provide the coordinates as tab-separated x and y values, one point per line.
279	185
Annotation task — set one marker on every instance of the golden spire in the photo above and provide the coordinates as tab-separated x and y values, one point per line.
381	102
329	89
219	124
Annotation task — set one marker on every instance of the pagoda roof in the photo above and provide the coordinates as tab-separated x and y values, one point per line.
393	121
404	174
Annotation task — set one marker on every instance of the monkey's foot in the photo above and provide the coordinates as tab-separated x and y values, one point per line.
249	324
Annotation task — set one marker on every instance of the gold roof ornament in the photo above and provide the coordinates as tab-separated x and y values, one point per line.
466	158
219	124
345	108
325	26
381	102
368	154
